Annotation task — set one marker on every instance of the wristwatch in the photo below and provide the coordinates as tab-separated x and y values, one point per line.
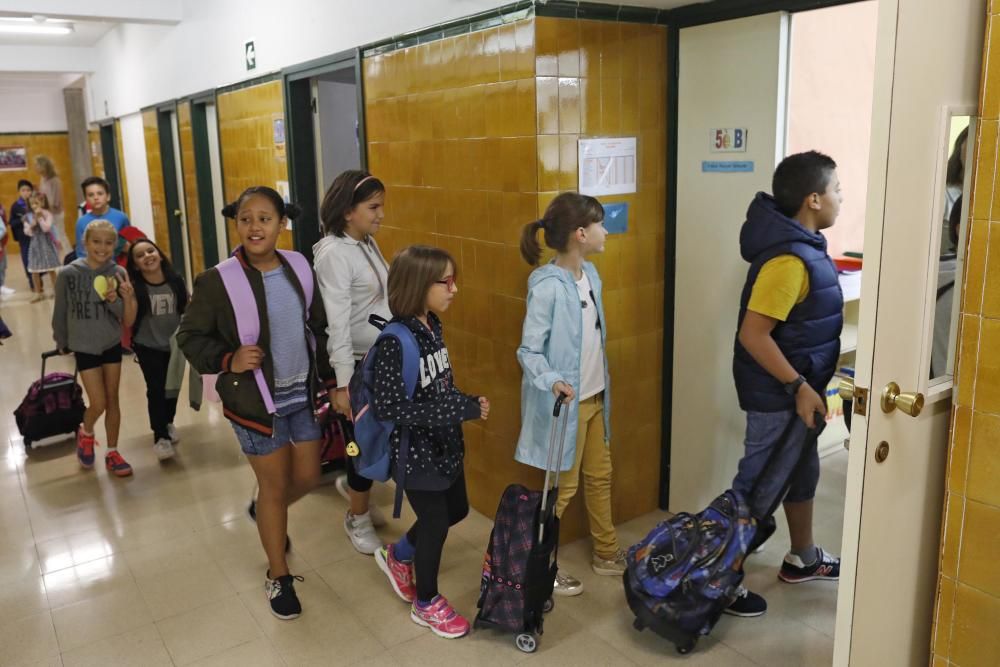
792	387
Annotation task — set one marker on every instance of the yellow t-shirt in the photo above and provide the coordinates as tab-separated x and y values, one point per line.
781	284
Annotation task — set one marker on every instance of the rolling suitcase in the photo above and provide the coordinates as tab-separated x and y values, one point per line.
684	574
53	406
521	561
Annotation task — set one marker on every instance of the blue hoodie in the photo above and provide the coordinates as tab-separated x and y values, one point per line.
810	338
551	350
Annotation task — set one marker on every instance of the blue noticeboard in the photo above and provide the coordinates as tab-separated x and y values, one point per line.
616	218
726	166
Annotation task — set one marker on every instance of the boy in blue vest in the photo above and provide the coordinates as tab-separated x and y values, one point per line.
791	316
97	192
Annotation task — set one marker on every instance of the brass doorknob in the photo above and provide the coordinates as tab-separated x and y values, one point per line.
909	403
846	389
177	212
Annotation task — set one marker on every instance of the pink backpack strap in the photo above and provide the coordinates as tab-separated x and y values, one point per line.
300	265
247	320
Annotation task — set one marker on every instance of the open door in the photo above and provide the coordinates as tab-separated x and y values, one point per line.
109	157
173	184
896	474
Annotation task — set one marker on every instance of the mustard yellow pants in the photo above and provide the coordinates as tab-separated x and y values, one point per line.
593	459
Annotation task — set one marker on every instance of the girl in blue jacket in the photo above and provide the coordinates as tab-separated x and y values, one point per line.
562	351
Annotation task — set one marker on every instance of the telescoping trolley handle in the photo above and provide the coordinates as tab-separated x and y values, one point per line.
552	472
48	355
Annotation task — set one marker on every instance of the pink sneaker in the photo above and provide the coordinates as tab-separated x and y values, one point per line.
400	574
441	618
85	448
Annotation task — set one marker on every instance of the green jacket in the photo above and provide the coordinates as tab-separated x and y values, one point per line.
208	338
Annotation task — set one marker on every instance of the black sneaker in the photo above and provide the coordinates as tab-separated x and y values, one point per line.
281	594
252	513
794	571
746	604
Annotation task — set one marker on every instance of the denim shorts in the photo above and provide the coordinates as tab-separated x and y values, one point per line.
770	474
297	427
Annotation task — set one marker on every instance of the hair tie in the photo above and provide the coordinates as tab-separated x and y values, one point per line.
366	178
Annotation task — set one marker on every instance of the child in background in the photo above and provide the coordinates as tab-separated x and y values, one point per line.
18	211
352	278
162	297
97	193
43	255
421	287
286	359
94	299
563	353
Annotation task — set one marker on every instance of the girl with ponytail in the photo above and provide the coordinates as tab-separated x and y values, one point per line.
562	353
268	379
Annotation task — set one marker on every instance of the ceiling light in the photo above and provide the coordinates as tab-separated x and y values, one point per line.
35	29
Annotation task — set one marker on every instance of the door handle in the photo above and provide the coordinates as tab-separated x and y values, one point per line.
911	403
859	395
177	213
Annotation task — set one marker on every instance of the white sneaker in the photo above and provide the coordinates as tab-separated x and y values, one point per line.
163	449
566	585
362	533
378	519
6	291
172	433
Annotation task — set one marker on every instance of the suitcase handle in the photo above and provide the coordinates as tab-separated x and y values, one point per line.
560	426
48	355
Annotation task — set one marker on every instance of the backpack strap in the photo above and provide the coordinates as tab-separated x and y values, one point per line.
300	265
234	278
411	362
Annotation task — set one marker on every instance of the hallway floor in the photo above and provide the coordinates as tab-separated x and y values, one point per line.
164	568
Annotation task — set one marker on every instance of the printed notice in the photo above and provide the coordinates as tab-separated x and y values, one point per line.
607	166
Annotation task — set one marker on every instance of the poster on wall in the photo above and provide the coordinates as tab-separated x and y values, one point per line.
279	137
13	158
607	166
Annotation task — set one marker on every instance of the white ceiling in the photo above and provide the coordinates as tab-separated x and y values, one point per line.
656	4
85	33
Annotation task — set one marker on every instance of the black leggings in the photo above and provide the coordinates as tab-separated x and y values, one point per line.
154	365
436	512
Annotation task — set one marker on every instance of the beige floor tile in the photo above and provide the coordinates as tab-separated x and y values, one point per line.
586	649
28	640
185	552
76	549
141	646
476	649
87	581
775	640
101	617
208	630
20	598
18	561
258	653
179	590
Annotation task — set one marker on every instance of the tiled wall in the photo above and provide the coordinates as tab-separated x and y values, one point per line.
154	166
967	615
56	146
96	157
249	153
474	135
120	154
186	135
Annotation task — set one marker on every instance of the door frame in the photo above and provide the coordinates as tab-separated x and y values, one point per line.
208	199
301	139
109	155
171	192
690	16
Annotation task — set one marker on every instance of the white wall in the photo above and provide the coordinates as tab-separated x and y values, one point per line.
27	110
140	65
136	174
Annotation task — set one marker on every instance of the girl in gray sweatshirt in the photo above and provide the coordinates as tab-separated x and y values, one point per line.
94	299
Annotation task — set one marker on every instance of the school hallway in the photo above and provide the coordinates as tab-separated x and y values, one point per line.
165	568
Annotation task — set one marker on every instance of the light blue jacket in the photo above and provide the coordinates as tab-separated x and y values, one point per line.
551	350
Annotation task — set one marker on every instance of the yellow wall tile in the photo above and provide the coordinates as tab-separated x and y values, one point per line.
958	458
975	641
980	548
986	153
991	297
56	147
952	534
984	459
968	353
990	103
569	105
987	396
546	46
943	616
975	268
547	104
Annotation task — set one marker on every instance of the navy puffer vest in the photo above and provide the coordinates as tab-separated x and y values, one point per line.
810	338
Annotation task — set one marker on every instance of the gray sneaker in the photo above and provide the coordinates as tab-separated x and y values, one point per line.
172	433
163	449
378	519
362	533
566	585
613	567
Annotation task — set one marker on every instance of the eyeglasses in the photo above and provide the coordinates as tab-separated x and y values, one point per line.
448	282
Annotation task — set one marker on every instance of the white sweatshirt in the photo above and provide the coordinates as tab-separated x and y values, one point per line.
353	281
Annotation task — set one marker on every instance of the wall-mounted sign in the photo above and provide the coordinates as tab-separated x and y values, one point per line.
728	140
13	158
616	218
607	166
278	124
726	166
250	56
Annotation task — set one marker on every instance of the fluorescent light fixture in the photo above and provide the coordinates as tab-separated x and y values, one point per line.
35	29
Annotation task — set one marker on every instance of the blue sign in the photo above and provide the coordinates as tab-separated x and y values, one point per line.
726	166
616	218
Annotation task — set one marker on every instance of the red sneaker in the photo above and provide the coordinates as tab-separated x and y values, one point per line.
117	465
441	618
85	448
400	574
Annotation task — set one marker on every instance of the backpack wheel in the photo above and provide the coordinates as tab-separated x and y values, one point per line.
686	647
549	605
27	444
526	642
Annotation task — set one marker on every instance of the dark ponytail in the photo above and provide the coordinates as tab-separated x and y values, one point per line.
285	210
567	213
351	188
